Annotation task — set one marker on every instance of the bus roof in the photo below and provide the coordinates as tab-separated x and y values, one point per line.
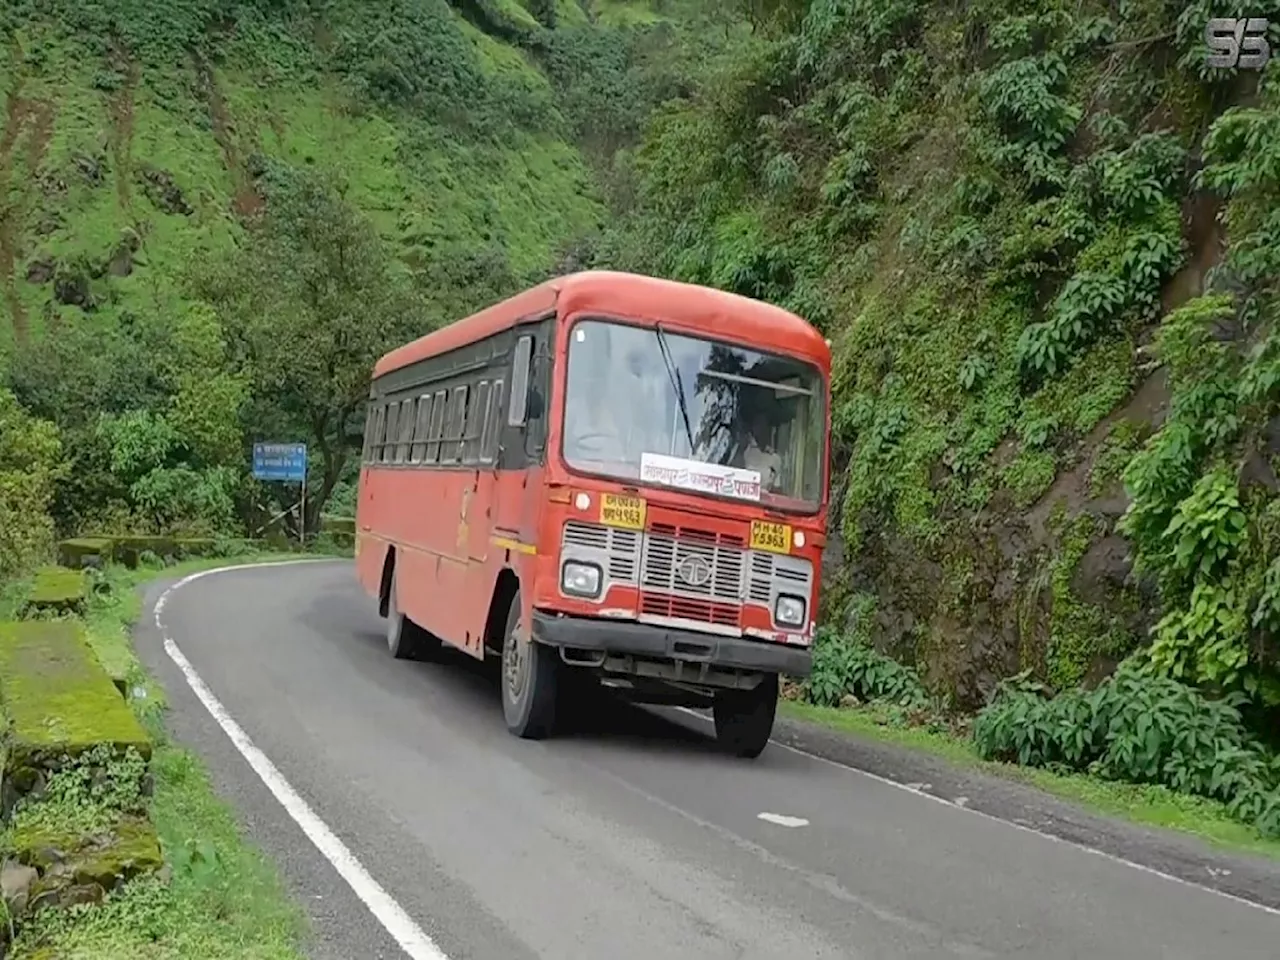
717	313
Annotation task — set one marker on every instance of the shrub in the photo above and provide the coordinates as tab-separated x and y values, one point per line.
1139	727
843	664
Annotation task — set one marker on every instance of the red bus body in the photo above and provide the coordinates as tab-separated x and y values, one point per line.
466	512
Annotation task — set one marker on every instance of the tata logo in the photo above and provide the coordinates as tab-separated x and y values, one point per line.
1237	42
695	571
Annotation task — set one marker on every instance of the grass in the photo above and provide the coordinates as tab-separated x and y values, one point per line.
1148	805
224	899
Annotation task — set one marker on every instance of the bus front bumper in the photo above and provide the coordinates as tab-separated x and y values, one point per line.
668	643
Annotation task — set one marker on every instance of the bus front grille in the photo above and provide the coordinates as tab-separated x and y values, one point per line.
701	568
688	573
684	608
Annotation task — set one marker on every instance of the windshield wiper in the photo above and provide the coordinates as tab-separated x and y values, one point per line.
677	384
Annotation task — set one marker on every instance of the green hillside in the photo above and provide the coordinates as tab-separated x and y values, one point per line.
126	124
461	147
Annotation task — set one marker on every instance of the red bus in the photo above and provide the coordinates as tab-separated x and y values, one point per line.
607	478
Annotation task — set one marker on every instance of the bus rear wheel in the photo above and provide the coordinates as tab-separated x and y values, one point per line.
744	718
405	639
530	681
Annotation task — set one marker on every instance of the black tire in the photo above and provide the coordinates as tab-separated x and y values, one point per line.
530	681
744	718
405	639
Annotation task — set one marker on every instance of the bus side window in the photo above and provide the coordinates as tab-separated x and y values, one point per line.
437	427
379	425
492	425
451	449
477	414
420	428
536	405
368	433
408	416
520	382
389	438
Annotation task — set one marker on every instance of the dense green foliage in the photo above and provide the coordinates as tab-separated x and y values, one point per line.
1143	728
845	665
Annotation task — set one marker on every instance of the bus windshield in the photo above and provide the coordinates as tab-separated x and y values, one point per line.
652	406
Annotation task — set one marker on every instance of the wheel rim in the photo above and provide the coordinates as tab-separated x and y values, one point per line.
515	666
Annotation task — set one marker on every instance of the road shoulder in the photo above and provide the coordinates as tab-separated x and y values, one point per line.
338	925
1182	857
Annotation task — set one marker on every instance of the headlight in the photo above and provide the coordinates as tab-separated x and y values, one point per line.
580	579
789	611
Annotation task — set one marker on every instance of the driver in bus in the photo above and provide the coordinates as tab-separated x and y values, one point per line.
759	454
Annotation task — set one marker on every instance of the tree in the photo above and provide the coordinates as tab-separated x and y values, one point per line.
309	303
30	462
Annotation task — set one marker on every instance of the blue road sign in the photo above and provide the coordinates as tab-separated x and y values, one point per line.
280	461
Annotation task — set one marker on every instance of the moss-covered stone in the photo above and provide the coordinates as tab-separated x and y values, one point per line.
74	870
58	700
84	551
1083	630
57	589
108	857
129	550
188	547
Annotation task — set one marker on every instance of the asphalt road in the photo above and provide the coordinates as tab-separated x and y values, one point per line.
627	837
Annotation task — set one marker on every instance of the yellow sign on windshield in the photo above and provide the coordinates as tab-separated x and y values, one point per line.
617	510
774	537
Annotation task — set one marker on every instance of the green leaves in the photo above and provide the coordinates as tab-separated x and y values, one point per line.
1138	727
1023	97
1208	526
844	665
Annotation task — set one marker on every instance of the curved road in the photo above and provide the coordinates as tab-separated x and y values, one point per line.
629	837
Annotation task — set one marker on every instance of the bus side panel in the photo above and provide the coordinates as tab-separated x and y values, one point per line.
506	535
446	565
423	524
523	491
484	558
371	548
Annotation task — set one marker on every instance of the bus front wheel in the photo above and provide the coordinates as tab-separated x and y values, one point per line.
530	681
744	718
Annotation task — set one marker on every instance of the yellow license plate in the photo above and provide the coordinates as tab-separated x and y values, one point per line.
620	511
774	537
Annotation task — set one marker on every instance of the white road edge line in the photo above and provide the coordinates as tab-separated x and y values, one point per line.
403	928
1140	867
